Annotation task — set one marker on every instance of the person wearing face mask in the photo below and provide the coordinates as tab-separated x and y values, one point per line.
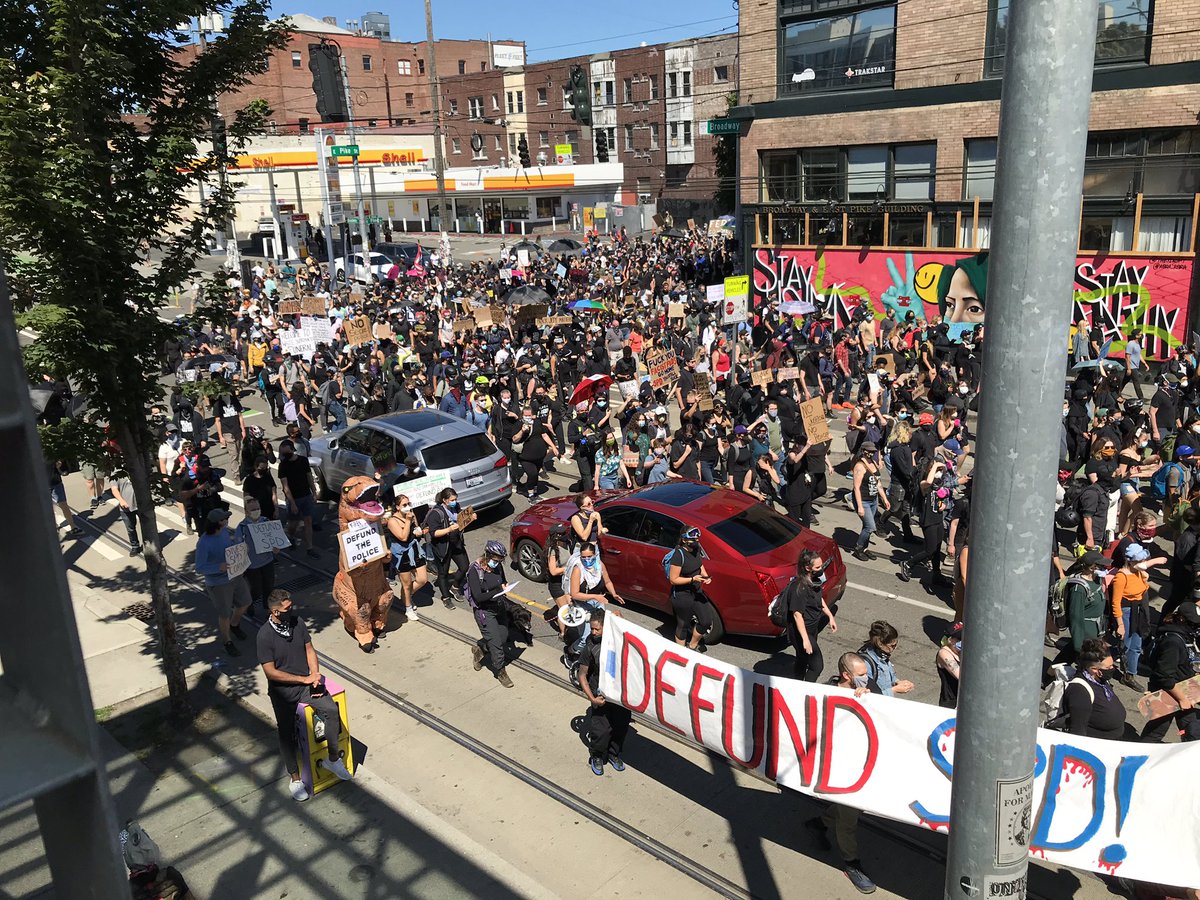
711	445
448	545
581	438
1171	664
609	471
807	611
686	575
838	820
1083	597
260	577
505	423
293	674
408	559
868	496
485	593
1128	591
1091	706
586	583
934	498
1164	410
1103	469
738	459
536	441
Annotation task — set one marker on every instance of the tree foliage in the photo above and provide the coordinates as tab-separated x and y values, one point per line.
95	225
725	163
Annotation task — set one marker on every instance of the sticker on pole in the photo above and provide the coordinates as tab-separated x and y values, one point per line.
1014	809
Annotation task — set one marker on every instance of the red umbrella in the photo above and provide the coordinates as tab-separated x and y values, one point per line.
589	387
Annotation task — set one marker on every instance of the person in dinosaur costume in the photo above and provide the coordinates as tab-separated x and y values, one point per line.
363	595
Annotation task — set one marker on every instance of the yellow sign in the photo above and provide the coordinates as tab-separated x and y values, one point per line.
587	217
600	212
562	150
737	286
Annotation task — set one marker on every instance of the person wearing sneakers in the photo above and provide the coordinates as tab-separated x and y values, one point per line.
842	821
230	596
606	724
485	594
868	495
289	662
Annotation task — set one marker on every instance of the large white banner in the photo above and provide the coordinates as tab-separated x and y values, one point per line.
1107	806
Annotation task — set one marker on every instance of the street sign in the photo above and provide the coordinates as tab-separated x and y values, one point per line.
716	126
337	212
353	220
374	220
297	218
344	149
563	155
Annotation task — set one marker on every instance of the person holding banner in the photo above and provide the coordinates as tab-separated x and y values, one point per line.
806	609
606	724
260	577
229	595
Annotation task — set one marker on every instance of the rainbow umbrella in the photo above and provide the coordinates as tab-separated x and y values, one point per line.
585	304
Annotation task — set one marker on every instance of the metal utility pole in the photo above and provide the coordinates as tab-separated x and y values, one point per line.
1039	183
323	163
358	194
275	224
439	159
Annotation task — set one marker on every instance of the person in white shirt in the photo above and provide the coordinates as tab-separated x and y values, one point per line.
168	450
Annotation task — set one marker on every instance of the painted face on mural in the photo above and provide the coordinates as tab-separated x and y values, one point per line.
963	303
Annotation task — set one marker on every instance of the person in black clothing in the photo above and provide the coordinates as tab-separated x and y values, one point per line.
686	574
1092	707
582	436
798	483
448	544
1170	664
260	486
485	593
1185	562
506	422
933	527
538	441
902	490
289	662
806	611
606	724
295	474
685	452
738	459
710	450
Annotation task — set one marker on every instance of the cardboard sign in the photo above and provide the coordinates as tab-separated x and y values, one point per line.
489	315
631	458
532	311
629	389
812	414
464	325
788	373
664	369
659	220
383	331
423	491
523	258
288	308
361	546
1156	704
467	516
506	274
312	306
888	361
237	559
293	341
714	293
703	391
762	377
554	321
675	310
691	224
268	535
358	331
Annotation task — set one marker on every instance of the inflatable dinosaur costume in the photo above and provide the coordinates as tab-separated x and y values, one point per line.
363	595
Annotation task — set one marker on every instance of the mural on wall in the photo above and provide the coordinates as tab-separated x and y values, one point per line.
1120	294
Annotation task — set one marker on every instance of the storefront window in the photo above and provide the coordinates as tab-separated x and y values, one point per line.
515	207
837	53
787	229
780	177
469	211
864	231
1122	33
906	231
549	207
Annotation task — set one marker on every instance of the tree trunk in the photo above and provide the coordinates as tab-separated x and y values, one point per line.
136	461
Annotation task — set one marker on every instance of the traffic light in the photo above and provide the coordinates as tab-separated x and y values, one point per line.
327	83
601	145
523	153
219	139
581	98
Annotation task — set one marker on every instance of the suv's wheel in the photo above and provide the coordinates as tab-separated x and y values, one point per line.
323	491
531	562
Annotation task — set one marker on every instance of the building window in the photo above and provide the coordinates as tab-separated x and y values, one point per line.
566	98
912	174
541	95
366	62
610	97
780	178
687	133
481	153
475	107
483	66
455	145
520	101
495	103
687	83
835	52
1122	33
628	138
612	140
462	67
720	74
906	231
672	84
408	101
866	172
516	102
512	143
499	144
454	107
543	139
372	123
547	207
653	87
654	136
626	90
303	126
511	106
980	174
572	138
1156	163
404	66
420	67
643	190
296	59
673	131
822	174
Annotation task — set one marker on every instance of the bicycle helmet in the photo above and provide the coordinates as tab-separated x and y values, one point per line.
256	433
496	549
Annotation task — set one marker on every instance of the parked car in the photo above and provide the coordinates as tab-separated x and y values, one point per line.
443	443
750	550
403	254
360	268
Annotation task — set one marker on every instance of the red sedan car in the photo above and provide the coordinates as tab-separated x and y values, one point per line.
750	550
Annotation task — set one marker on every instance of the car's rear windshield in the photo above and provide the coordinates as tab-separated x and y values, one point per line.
459	451
756	530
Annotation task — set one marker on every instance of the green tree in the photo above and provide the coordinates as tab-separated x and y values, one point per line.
95	222
725	163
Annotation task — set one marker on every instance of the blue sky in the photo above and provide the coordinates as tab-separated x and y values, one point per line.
550	30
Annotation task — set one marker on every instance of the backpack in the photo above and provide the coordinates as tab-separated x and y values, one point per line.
262	380
138	848
289	410
1051	714
777	610
1158	481
666	564
1057	601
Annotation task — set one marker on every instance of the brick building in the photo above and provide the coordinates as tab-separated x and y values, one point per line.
872	126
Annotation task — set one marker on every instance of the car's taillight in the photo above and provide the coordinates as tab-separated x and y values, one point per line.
766	584
501	462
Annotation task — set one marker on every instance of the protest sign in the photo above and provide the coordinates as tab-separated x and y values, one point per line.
383	331
506	274
523	258
631	459
691	224
762	377
788	373
467	516
796	307
423	491
464	325
703	391
317	329
237	559
888	361
268	535
360	546
554	321
1156	704
664	370
1096	804
488	315
675	310
560	271
288	307
293	341
714	293
628	389
532	311
816	426
358	330
312	306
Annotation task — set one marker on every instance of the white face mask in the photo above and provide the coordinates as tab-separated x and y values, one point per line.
406	509
254	515
861	681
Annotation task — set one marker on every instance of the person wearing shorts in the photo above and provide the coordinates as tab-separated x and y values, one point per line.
94	477
58	496
693	610
230	596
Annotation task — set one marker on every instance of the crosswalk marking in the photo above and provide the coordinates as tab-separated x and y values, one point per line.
92	538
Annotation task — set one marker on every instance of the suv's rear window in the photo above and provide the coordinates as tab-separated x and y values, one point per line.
458	451
756	530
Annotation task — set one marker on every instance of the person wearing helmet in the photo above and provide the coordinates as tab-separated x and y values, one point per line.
485	593
686	574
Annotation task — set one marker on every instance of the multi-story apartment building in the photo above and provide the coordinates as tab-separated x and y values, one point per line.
871	134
